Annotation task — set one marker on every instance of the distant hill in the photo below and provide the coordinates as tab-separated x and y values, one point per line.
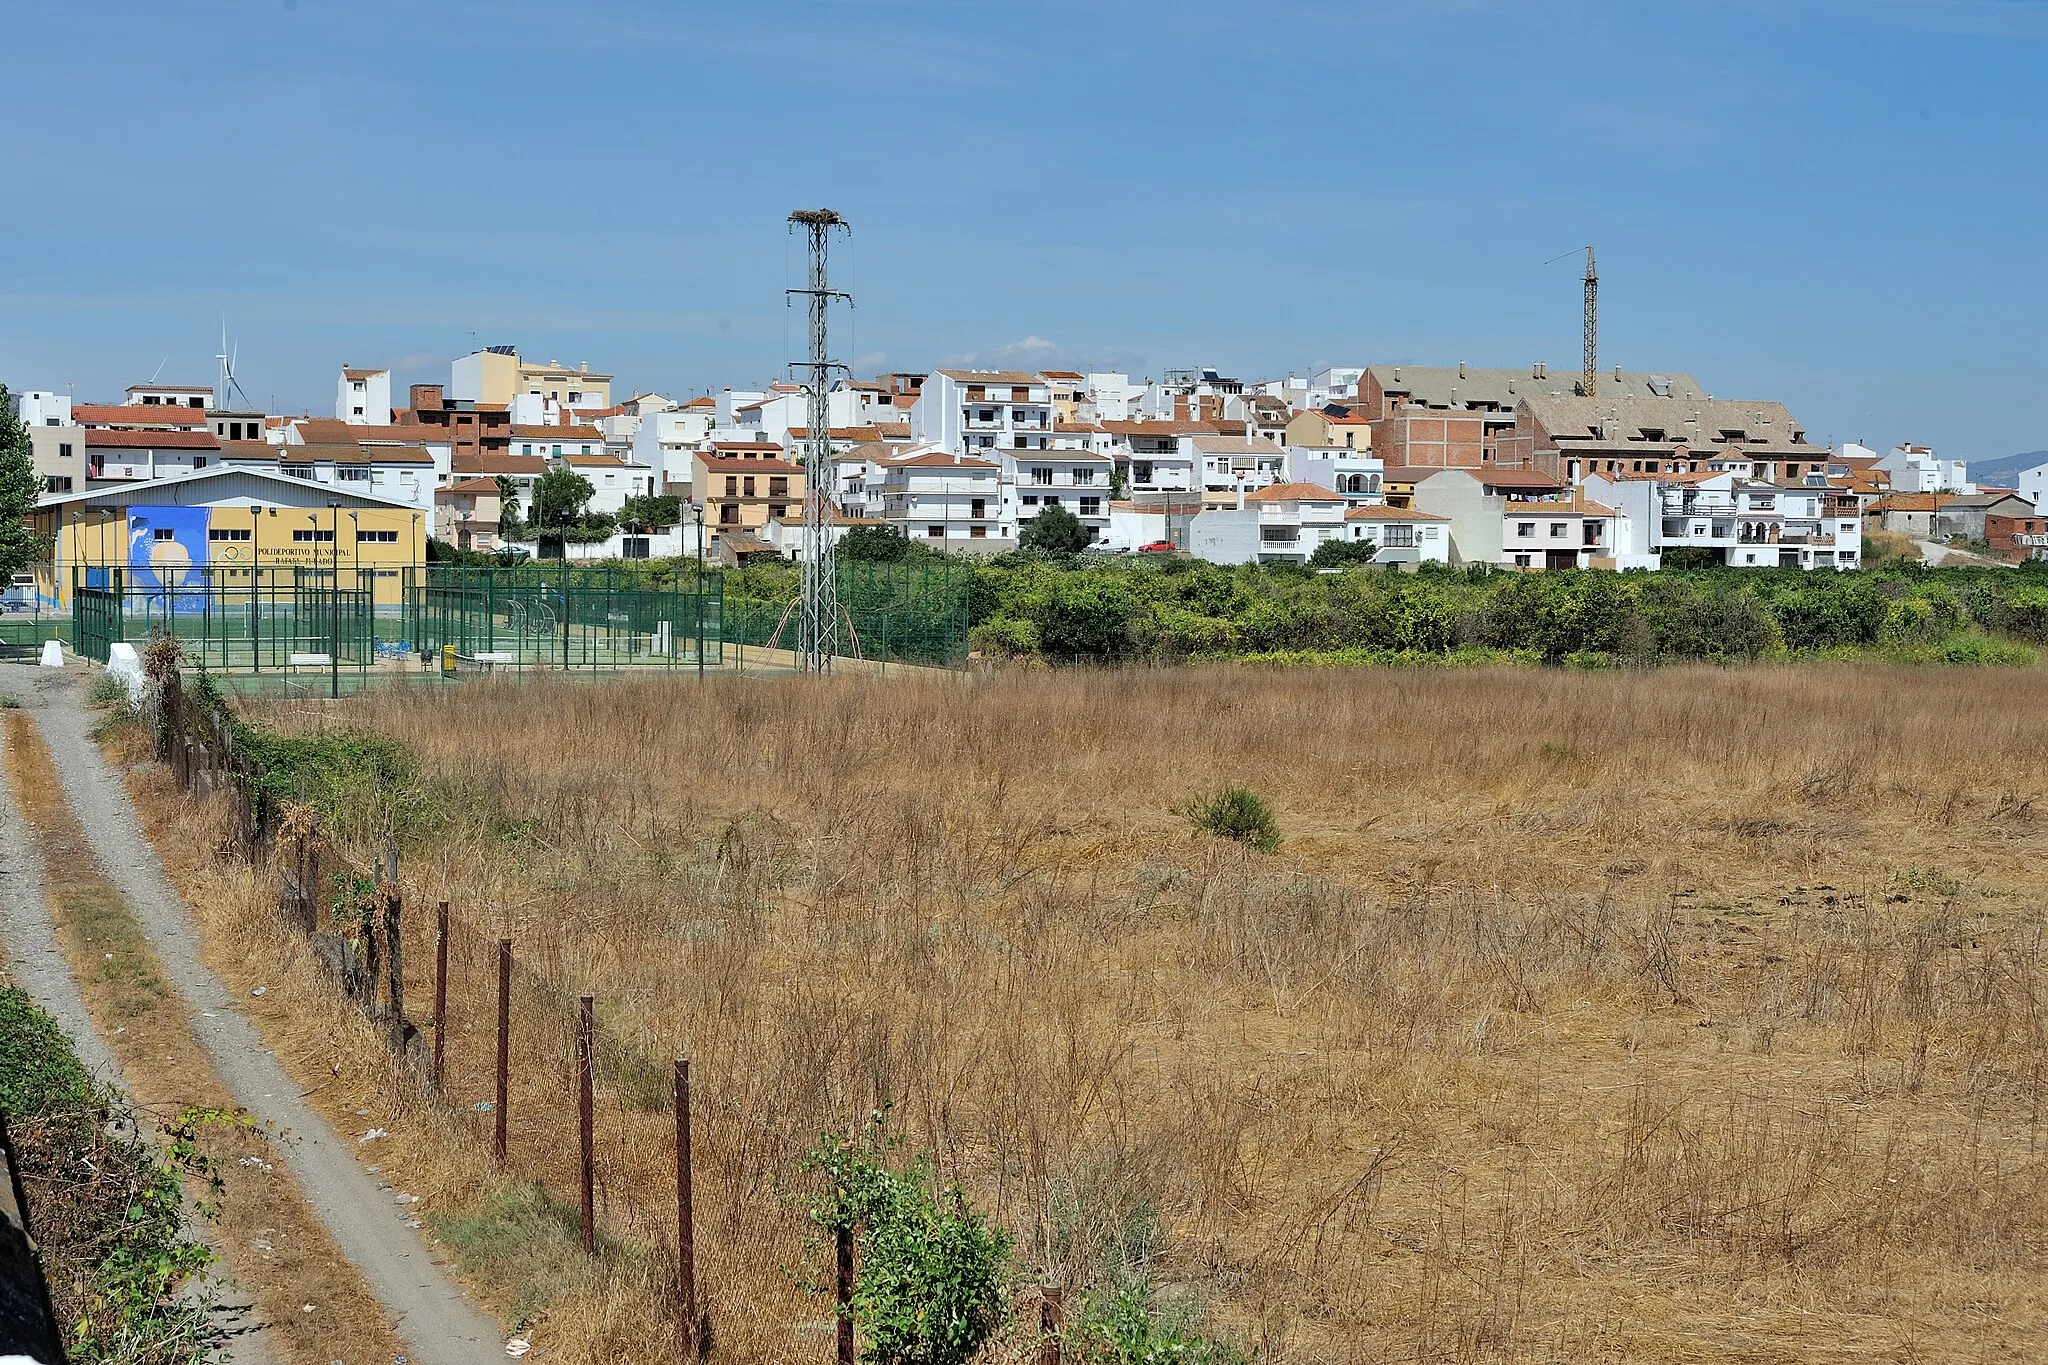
2002	472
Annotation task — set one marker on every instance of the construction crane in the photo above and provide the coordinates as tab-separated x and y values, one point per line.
1592	357
1590	381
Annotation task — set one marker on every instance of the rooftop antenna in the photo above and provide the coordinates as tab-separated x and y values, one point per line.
1590	380
818	632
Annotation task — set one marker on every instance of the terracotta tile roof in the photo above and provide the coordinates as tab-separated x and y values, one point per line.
716	465
937	459
1578	505
469	486
1294	492
352	454
334	431
1165	427
868	433
137	415
347	373
596	462
1012	377
705	402
1062	374
520	433
1379	513
894	431
717	446
151	440
1092	428
1910	502
169	388
498	462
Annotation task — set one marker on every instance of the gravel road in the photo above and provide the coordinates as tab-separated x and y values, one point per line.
434	1317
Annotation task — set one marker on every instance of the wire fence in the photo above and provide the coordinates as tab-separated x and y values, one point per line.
905	612
566	616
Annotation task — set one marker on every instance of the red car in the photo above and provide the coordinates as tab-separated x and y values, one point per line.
1156	547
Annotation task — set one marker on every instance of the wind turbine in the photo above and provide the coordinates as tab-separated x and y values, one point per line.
227	385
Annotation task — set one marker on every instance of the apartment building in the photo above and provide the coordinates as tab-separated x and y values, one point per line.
124	457
1740	522
948	501
469	427
742	489
1230	465
496	373
982	412
1572	437
1077	480
1571	532
1454	417
363	397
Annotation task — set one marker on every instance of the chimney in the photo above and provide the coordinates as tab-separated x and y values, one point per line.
1461	369
1617	374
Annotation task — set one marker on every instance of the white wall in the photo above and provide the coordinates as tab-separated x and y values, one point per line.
1225	535
41	408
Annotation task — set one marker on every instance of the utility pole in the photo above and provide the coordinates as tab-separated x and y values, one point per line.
818	631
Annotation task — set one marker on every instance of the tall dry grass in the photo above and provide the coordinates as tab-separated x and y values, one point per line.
1682	1015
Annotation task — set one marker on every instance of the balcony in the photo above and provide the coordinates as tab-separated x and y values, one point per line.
1693	505
1697	531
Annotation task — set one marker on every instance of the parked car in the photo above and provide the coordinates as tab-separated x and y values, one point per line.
1156	547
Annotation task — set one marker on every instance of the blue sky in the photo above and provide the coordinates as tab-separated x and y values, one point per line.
1836	203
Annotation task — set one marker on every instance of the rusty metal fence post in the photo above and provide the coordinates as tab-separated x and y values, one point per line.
504	1043
842	1290
585	1140
1049	1325
686	1218
440	996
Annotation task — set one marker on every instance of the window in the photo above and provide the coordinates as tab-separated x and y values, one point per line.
199	462
732	485
165	533
747	488
977	509
1525	528
1084	476
1557	529
1031	499
304	535
778	510
558	452
1141	471
352	473
1041	474
64	450
526	449
1020	443
977	532
935	533
633	547
728	513
778	486
586	451
1521	561
358	410
575	397
1052	500
1091	507
220	533
376	537
57	483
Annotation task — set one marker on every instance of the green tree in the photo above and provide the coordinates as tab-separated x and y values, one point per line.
509	525
1054	531
561	509
651	509
875	544
1339	554
19	490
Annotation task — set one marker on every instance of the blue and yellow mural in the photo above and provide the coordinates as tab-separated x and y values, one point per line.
164	545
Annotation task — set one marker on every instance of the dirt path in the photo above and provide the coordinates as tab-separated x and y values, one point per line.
438	1322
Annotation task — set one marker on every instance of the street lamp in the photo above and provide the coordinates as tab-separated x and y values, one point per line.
697	511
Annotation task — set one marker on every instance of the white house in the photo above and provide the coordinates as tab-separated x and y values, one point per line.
982	412
1743	522
668	439
2033	485
1279	524
1557	533
1231	463
41	408
1077	480
363	397
1357	474
1917	469
556	443
948	501
612	480
1402	534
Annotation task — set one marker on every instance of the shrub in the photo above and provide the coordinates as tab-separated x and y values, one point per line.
1054	531
1235	813
1122	1327
1004	637
930	1288
1340	554
107	690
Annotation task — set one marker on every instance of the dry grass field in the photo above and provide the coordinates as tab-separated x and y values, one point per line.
1672	1016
